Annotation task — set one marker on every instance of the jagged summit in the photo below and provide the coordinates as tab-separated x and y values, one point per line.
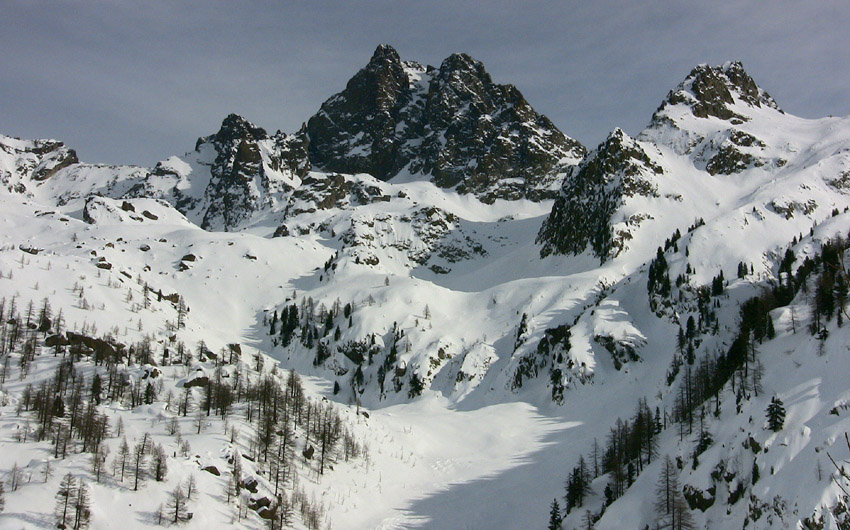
364	116
691	279
452	124
385	53
715	139
581	216
713	91
235	126
249	171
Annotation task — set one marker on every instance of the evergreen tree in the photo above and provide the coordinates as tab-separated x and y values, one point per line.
15	477
150	393
236	471
191	487
555	518
230	488
609	494
589	520
775	414
182	309
285	511
771	331
121	459
98	459
578	485
96	389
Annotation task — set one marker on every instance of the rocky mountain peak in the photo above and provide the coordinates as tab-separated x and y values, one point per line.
236	128
452	124
713	90
581	218
351	131
249	170
384	54
379	84
458	63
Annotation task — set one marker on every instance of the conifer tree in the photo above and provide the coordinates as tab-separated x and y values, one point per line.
150	393
139	458
96	389
775	414
589	520
15	477
121	459
98	459
236	471
578	485
47	472
555	518
230	488
182	309
191	487
159	463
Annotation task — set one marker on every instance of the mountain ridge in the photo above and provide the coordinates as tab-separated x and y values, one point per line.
493	338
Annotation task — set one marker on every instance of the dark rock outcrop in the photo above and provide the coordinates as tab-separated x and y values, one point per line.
451	123
242	182
710	90
35	162
592	192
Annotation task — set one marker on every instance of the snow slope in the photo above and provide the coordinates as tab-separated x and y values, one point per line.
486	369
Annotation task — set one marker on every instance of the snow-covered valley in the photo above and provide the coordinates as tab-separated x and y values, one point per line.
465	335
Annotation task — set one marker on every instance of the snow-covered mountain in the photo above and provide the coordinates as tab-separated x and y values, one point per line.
451	123
431	251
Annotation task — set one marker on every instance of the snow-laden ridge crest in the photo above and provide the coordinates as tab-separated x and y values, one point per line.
712	91
715	140
581	216
470	365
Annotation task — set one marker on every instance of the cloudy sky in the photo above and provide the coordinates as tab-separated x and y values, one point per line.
135	82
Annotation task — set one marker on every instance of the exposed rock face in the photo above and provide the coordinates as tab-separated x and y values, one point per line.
702	119
56	157
711	90
249	168
451	123
319	191
36	160
354	131
592	192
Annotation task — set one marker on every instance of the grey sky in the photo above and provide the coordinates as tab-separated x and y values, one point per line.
139	81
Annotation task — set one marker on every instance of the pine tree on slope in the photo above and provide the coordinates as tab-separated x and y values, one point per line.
775	414
555	518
